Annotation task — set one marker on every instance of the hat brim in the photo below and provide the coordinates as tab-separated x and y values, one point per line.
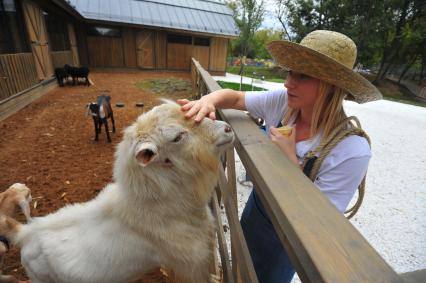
304	60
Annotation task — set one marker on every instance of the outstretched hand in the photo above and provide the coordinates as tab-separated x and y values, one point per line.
286	144
199	108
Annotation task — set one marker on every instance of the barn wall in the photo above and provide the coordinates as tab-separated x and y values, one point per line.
129	47
60	58
16	102
17	73
218	51
105	51
82	44
160	45
150	50
21	72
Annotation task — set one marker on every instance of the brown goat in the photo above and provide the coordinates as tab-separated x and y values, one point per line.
16	195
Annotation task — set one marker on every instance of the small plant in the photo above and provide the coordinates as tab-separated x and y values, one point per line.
166	86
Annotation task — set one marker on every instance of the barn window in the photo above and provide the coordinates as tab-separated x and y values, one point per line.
57	31
13	35
104	31
203	41
175	38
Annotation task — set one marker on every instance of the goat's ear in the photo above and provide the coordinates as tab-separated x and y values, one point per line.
146	152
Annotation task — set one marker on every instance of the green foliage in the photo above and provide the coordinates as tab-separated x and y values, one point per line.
261	39
386	32
248	16
236	86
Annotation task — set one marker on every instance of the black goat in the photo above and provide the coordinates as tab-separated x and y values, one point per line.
61	75
77	72
100	112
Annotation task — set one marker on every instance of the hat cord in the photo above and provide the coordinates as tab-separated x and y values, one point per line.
312	163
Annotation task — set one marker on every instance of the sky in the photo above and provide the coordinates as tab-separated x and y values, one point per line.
270	21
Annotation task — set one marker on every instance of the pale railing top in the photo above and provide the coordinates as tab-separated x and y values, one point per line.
322	243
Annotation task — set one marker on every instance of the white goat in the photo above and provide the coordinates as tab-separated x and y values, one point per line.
154	213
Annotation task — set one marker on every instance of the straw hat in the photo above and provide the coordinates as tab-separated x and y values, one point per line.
328	56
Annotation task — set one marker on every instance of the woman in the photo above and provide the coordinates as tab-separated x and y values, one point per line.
320	77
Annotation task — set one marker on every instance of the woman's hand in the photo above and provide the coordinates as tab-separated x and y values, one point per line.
286	144
201	108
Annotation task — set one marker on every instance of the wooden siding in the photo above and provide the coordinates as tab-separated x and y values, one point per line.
129	47
201	54
36	28
82	44
105	51
179	55
160	45
145	49
149	49
218	51
19	100
17	73
60	58
73	46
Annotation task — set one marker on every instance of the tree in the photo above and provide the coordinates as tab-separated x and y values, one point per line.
386	32
261	39
248	15
282	13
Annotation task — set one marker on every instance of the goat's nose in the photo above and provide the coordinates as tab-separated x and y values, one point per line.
228	129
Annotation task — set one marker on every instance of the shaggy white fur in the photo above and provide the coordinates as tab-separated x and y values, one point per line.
155	212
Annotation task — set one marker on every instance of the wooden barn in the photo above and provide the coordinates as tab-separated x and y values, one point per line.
37	36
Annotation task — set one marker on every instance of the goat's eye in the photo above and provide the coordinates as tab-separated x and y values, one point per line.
178	137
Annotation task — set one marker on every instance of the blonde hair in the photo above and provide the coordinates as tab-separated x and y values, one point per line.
328	110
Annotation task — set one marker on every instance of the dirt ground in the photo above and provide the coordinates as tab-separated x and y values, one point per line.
49	145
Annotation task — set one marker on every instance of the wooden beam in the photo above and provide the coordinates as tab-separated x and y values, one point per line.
242	256
223	249
418	276
13	104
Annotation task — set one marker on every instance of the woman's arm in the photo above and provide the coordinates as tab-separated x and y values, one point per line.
206	106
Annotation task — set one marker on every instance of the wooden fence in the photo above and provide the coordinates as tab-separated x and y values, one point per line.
321	242
17	73
60	58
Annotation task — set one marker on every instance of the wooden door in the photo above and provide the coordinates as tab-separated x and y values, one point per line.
160	48
201	54
36	27
73	45
218	51
179	56
105	51
145	49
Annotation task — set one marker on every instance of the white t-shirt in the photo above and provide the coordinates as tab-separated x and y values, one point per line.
341	171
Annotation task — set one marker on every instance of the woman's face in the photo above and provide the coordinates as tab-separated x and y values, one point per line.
302	90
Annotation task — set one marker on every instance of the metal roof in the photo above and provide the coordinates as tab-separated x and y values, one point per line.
190	15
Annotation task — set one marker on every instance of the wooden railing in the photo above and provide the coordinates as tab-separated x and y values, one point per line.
321	242
60	58
17	73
